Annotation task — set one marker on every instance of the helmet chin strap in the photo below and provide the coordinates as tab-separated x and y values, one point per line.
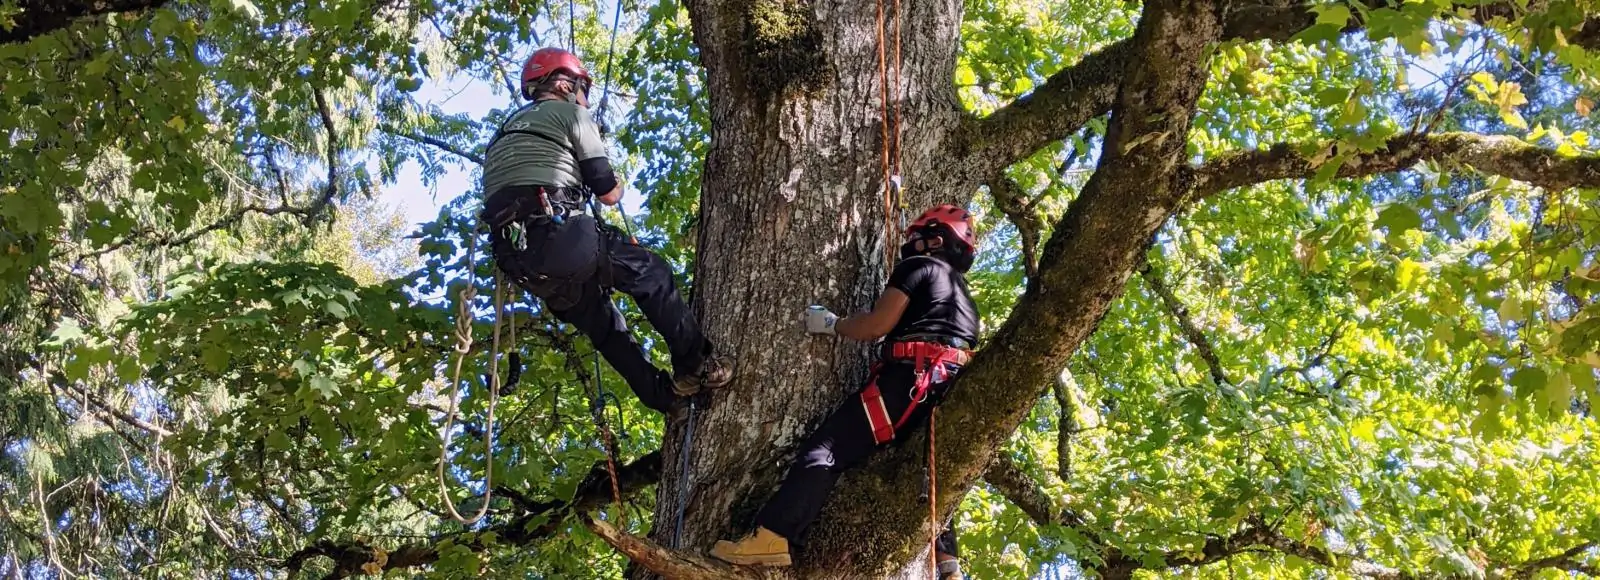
918	246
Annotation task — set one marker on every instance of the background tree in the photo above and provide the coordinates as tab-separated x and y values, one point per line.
1271	286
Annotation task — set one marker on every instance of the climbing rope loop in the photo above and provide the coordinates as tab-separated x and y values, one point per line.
463	348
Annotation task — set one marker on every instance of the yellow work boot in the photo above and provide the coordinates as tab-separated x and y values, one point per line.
762	548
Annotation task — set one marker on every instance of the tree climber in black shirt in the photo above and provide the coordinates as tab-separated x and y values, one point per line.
931	323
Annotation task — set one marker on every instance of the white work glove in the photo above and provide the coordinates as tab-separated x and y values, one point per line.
818	320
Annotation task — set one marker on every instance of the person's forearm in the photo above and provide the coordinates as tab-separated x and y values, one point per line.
863	326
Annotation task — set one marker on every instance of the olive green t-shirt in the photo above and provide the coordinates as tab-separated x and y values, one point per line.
564	134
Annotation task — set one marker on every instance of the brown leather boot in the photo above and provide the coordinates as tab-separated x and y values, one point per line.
715	372
762	548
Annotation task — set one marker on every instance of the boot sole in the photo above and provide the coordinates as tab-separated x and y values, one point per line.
754	560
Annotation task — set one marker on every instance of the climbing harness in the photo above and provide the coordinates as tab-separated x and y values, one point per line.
929	359
463	348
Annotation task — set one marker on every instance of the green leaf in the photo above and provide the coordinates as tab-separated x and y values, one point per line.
67	331
1333	96
1529	380
304	367
129	369
1399	218
1583	381
1353	113
1450	224
337	309
279	440
325	386
1365	429
1330	168
1511	311
1332	14
215	357
1487	422
76	368
1557	394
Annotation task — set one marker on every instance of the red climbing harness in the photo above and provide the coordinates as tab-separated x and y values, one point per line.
929	359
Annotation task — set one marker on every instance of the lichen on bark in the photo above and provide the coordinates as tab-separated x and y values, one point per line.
782	48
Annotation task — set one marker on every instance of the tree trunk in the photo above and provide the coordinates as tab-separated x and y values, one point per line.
792	213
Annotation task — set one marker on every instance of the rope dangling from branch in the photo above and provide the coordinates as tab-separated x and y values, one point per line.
933	500
463	348
597	408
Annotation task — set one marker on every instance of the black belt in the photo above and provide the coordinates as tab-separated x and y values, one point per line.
520	202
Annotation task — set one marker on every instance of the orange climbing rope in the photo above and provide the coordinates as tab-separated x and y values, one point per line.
598	409
893	201
893	195
933	500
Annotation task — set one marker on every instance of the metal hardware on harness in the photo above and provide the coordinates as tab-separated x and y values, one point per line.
923	355
897	190
918	397
517	233
544	203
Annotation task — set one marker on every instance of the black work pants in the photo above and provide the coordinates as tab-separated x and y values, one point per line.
639	273
844	441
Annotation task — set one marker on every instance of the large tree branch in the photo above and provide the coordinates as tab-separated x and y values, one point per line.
1060	107
1065	388
1329	559
113	412
150	237
1254	537
1016	486
1566	561
1073	95
667	562
1022	491
1497	155
307	212
351	556
40	17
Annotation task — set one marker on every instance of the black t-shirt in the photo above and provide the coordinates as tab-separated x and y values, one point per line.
941	304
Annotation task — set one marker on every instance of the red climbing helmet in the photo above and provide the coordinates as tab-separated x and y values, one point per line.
548	61
959	221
